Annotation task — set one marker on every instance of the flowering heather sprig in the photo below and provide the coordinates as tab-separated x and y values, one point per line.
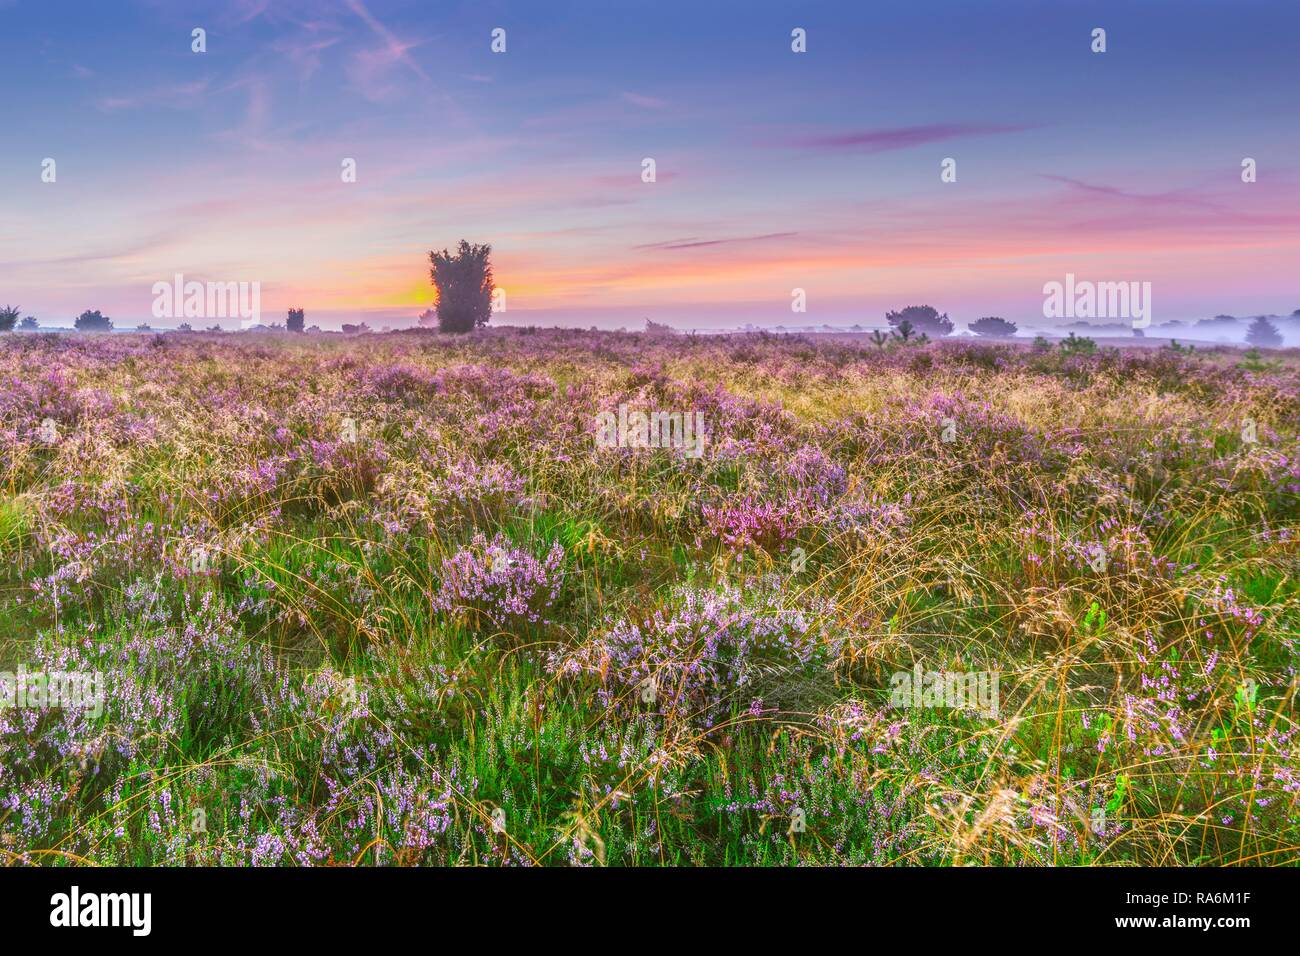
503	582
749	521
868	516
702	652
815	472
1229	607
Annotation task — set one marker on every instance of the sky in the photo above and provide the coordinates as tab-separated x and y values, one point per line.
774	170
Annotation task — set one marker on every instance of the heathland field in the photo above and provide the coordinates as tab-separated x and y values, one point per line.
423	599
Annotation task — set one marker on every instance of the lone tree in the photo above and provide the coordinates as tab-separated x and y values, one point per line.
464	284
93	322
9	317
1264	334
297	320
923	318
29	323
993	327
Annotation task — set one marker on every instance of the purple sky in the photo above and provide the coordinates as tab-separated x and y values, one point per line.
775	170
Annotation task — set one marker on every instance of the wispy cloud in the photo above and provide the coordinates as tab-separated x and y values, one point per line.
304	53
251	132
901	137
648	102
245	10
394	49
171	96
1178	197
693	243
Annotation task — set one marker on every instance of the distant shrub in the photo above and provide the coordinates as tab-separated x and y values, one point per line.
297	320
1264	334
93	322
923	318
993	327
1078	345
1252	360
29	324
906	332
